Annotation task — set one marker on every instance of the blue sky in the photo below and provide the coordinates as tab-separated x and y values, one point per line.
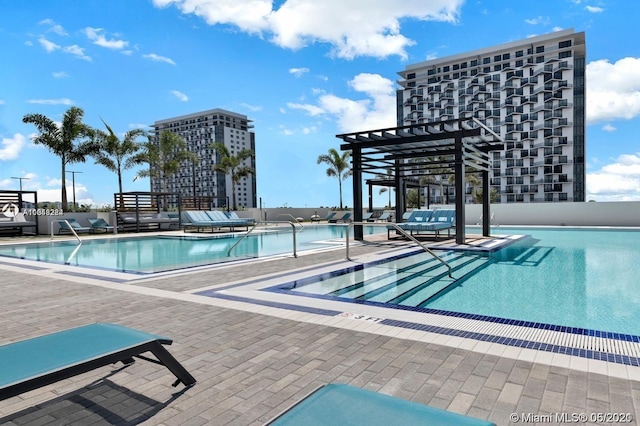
303	70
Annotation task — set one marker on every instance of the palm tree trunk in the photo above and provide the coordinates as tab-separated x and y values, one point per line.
120	188
64	187
340	186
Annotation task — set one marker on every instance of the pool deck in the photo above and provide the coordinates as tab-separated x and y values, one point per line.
253	360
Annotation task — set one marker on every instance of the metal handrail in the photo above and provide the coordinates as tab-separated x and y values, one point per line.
73	231
293	226
403	232
294	219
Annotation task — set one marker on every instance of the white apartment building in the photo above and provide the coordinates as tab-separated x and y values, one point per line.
200	131
531	92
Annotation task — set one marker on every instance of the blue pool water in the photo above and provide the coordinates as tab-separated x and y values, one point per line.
152	254
578	278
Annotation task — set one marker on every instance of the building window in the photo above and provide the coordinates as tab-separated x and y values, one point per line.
540	49
474	63
564	44
486	61
497	58
519	53
539	59
445	69
506	56
456	67
566	54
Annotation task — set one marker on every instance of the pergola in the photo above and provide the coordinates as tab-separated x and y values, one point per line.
460	146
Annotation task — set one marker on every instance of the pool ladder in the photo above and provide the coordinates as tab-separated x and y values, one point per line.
73	231
293	226
403	232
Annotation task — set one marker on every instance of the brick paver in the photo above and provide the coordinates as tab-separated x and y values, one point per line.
251	366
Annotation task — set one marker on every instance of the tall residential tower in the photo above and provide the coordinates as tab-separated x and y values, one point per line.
200	131
531	92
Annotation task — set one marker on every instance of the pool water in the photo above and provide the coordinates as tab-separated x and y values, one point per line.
571	277
152	254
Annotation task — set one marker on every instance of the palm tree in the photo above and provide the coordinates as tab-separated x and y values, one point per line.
232	165
163	157
338	166
388	176
61	140
116	154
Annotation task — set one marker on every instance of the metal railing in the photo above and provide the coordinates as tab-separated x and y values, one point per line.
73	231
294	219
293	226
403	232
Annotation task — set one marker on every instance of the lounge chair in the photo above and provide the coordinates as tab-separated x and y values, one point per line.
66	228
100	225
199	220
328	218
384	217
234	216
413	219
345	218
18	222
220	217
44	360
340	404
440	221
367	217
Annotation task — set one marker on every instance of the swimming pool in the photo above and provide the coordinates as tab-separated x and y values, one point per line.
152	254
569	277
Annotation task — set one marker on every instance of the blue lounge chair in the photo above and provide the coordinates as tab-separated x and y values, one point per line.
339	404
414	218
440	220
199	219
44	360
367	217
100	225
65	229
345	218
384	217
234	216
329	216
220	217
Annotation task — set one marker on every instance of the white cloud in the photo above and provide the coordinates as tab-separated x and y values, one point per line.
59	74
2	102
298	72
253	108
76	51
10	147
138	126
61	101
49	46
312	110
28	43
608	128
158	58
594	9
613	90
53	27
181	96
282	110
308	130
98	38
353	28
618	181
376	111
540	20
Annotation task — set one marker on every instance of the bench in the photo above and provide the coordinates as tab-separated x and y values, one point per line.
340	404
33	363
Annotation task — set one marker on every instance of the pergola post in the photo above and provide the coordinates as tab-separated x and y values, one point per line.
399	191
486	204
370	197
459	188
356	157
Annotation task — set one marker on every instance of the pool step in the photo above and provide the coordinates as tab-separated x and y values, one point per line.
437	284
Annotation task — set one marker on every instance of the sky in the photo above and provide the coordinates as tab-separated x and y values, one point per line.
302	70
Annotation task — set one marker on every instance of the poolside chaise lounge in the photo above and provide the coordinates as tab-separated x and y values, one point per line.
414	216
73	223
345	218
384	217
328	217
18	223
100	224
340	404
47	359
147	220
218	216
200	220
367	217
234	216
440	220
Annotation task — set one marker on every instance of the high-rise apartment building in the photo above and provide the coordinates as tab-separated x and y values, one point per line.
531	92
200	131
